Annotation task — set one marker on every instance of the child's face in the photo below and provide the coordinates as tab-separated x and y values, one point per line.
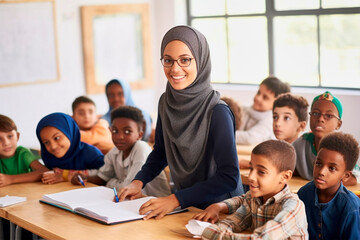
264	99
115	95
264	179
8	143
179	77
320	126
329	169
125	132
85	115
286	125
55	141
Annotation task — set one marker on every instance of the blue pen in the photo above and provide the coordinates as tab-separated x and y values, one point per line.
116	196
81	180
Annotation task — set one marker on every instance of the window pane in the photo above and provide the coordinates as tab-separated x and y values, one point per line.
214	31
340	3
296	4
248	49
340	50
295	50
207	7
245	6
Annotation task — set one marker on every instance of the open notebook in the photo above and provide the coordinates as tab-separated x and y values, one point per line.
97	204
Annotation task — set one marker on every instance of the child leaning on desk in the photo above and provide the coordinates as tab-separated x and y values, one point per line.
17	163
125	160
62	150
332	210
325	117
269	210
93	130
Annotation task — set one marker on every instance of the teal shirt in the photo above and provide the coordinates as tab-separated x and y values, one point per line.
19	163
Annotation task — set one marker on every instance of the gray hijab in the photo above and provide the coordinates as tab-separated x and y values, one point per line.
186	114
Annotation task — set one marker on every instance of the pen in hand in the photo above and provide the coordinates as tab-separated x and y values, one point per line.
116	196
81	180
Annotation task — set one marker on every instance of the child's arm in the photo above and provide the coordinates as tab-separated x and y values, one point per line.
35	175
211	213
93	179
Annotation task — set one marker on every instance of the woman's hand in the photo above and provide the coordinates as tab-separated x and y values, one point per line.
158	207
211	213
51	177
131	191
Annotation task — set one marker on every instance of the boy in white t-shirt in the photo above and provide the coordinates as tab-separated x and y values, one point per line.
125	160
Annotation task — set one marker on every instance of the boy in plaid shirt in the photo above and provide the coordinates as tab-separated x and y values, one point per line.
269	210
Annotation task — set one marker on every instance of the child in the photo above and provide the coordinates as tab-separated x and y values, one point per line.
17	164
118	93
62	150
269	210
325	117
290	113
93	130
125	160
236	109
257	120
332	210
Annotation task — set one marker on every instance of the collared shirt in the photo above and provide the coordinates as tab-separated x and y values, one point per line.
280	217
337	219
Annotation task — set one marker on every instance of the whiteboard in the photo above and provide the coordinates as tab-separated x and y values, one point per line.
28	51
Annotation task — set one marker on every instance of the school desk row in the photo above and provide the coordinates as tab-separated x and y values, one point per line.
53	223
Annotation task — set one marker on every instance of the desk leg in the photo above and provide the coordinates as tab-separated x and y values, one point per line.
12	231
17	233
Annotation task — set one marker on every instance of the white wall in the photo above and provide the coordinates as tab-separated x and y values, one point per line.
28	104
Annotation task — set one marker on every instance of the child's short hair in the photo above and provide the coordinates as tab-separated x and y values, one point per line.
279	152
276	85
7	124
236	109
130	112
343	143
81	99
298	103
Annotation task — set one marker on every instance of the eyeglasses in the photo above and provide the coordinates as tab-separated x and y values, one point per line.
327	116
182	62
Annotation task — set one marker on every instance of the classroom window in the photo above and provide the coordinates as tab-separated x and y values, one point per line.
311	43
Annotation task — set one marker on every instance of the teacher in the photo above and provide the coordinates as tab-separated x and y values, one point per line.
195	133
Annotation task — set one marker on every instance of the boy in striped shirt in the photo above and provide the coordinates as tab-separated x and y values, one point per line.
269	210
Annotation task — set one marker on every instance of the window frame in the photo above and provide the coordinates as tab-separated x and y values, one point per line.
269	14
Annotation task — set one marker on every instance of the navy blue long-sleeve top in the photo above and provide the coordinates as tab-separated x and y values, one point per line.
222	179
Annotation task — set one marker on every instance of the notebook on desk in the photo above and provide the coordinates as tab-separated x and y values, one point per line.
96	203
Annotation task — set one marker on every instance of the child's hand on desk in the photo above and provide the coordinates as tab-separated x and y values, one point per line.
5	180
158	207
211	213
51	177
75	178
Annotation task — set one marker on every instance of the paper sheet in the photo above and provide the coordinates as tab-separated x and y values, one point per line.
196	227
10	200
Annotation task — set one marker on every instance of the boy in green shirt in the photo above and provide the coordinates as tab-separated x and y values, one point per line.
17	164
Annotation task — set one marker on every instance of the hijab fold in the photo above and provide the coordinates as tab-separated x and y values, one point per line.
186	114
80	156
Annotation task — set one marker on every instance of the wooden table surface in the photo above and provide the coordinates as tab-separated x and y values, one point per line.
54	223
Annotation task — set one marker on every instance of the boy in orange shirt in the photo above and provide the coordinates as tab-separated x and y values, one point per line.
93	130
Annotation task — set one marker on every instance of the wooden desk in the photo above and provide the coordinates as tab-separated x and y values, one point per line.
32	191
244	149
54	223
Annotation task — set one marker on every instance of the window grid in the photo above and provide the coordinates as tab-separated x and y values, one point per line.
270	13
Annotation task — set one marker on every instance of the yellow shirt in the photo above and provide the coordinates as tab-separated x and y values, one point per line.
99	136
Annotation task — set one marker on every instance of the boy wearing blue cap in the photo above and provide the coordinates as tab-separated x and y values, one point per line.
325	117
